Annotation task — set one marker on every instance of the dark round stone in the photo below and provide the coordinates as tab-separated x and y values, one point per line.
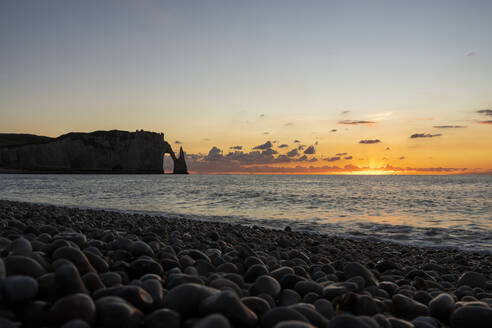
382	321
226	284
115	312
471	317
92	281
228	267
139	248
171	318
155	290
68	280
279	314
35	314
76	323
280	272
110	279
472	279
324	307
400	323
135	295
308	310
347	321
294	324
24	266
145	265
97	262
257	304
289	297
303	287
6	323
76	256
230	305
268	285
213	321
74	306
186	298
254	272
75	237
19	290
354	269
407	306
441	306
21	246
3	271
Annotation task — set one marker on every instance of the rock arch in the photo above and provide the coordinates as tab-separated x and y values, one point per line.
179	163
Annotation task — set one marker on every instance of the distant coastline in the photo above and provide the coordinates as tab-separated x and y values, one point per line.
98	152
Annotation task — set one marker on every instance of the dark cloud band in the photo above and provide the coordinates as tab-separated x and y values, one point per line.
369	141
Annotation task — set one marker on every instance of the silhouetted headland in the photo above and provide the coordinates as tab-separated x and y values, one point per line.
112	151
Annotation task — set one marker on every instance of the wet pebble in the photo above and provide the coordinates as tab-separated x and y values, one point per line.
115	312
19	290
74	306
213	321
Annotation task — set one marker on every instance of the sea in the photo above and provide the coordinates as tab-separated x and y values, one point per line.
429	211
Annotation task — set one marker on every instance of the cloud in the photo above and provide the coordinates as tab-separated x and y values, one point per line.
214	154
485	122
345	112
293	153
283	146
266	145
297	141
332	159
436	169
449	126
288	124
236	147
262	115
341	154
269	152
206	139
267	161
369	141
487	112
310	150
333	130
177	142
424	135
471	53
351	122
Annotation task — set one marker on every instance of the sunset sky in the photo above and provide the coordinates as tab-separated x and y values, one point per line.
260	86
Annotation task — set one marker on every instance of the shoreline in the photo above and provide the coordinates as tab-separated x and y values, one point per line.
144	270
248	222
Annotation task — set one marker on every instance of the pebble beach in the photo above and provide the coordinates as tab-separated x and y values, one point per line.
78	268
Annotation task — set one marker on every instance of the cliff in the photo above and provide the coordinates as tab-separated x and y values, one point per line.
96	152
17	139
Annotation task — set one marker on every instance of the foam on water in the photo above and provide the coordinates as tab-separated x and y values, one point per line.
435	211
